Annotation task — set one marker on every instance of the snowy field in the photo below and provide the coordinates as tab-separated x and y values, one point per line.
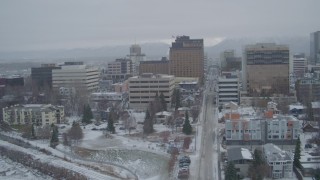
147	159
144	156
12	171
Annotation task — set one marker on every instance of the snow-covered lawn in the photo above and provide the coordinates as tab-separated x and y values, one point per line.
13	170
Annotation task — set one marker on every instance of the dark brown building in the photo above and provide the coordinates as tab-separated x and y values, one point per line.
155	67
187	57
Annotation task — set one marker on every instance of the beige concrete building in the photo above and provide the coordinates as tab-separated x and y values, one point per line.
187	57
143	88
266	69
80	77
156	67
37	114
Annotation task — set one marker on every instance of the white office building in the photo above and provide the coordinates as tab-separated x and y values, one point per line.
143	89
80	77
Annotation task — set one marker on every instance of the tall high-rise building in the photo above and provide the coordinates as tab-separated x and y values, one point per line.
265	69
224	55
187	57
299	65
42	76
136	56
119	70
315	48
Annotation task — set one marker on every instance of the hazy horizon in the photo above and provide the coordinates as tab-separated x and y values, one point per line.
33	25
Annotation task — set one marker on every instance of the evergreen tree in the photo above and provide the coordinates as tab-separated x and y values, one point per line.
157	105
310	111
87	114
75	132
148	124
33	134
231	172
54	137
297	154
187	129
110	126
163	102
90	114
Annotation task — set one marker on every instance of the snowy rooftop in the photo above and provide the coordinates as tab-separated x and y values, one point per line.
315	104
165	113
274	153
238	154
296	106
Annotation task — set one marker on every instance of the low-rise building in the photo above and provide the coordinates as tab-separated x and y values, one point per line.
241	158
252	130
280	162
106	96
315	111
38	114
143	89
163	117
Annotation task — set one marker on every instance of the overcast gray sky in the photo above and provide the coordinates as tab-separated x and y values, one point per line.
60	24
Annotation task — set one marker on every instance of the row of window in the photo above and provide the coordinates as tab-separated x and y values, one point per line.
135	82
149	87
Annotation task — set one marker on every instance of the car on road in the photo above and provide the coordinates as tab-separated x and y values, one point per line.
181	165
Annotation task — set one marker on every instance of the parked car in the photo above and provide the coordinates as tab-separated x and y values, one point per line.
181	165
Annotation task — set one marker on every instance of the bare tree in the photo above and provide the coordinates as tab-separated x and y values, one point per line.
44	132
195	113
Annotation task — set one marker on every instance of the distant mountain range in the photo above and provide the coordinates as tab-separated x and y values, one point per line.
153	51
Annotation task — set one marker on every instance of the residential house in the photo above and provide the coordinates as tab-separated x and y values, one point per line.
241	158
279	161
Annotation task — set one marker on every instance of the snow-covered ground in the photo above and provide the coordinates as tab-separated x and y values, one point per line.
145	156
91	174
11	170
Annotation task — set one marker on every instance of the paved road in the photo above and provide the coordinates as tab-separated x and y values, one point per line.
209	149
210	145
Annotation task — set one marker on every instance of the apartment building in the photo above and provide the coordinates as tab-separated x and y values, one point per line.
187	57
250	130
38	114
80	77
265	69
156	67
143	89
279	161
